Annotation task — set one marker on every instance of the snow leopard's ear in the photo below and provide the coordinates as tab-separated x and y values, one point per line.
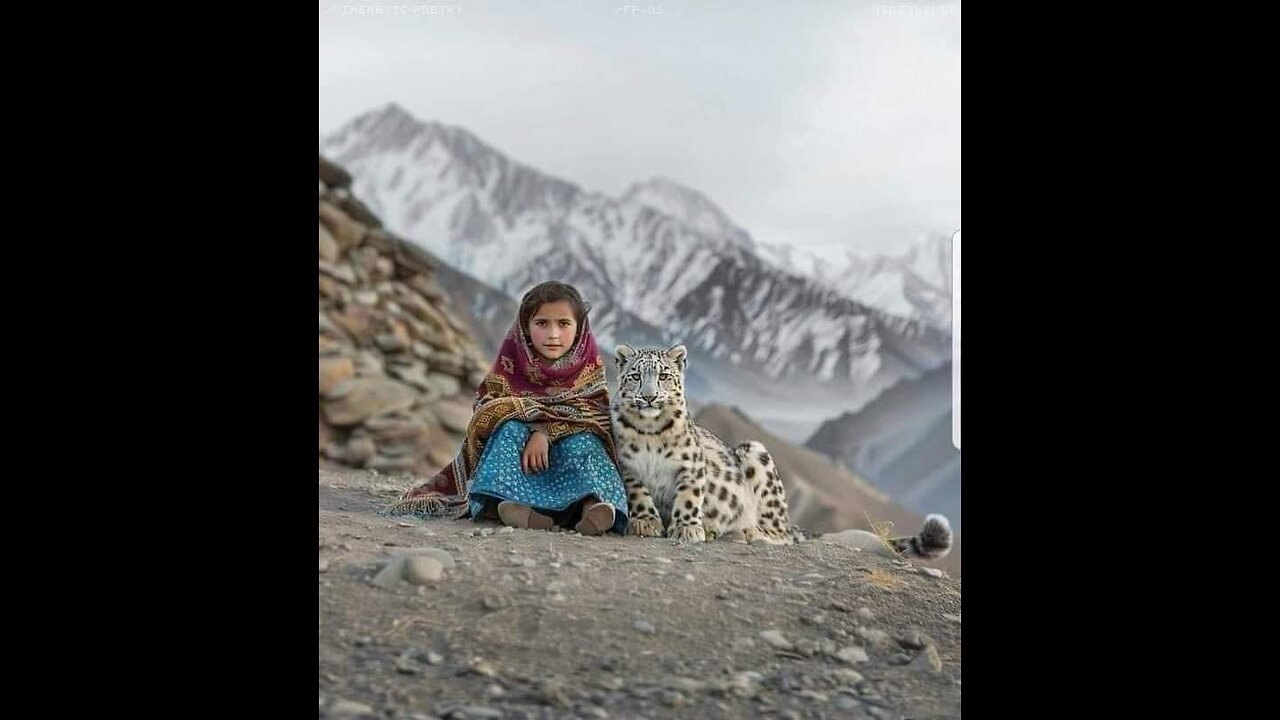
622	354
679	354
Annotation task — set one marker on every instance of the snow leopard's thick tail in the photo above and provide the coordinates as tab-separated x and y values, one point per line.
932	542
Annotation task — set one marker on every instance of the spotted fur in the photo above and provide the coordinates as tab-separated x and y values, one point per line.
680	478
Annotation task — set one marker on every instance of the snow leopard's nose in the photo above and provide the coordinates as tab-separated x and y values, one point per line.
649	398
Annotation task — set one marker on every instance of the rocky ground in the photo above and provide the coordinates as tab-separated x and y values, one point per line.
452	619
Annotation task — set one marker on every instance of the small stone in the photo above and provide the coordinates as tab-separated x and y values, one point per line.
359	450
744	643
479	712
815	619
866	614
612	682
333	371
745	684
552	693
787	682
690	577
853	655
329	249
845	675
931	572
845	703
775	638
953	618
861	540
814	695
900	659
675	699
434	658
645	626
337	270
481	667
348	709
446	560
841	606
365	397
873	636
494	691
324	565
915	640
686	684
454	416
595	712
927	660
789	715
392	343
662	560
493	601
506	529
391	576
446	385
423	570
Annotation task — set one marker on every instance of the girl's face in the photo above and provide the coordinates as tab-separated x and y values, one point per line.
552	329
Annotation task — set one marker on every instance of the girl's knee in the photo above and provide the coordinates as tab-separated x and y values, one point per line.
512	428
581	444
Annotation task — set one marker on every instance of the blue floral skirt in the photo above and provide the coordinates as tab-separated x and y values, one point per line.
578	466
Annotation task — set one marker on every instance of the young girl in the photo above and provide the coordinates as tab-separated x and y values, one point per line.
538	451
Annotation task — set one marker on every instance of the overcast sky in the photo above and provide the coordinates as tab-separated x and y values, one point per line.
827	125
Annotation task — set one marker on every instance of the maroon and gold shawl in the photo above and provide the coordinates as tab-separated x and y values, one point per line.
563	397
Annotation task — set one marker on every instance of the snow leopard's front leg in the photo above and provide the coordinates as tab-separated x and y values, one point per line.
686	511
644	520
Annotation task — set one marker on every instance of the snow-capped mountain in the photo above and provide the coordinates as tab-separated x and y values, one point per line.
915	283
691	208
662	264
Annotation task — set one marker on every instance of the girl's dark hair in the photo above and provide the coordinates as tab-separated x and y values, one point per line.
549	292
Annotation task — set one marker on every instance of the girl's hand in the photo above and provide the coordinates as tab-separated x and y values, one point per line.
534	459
